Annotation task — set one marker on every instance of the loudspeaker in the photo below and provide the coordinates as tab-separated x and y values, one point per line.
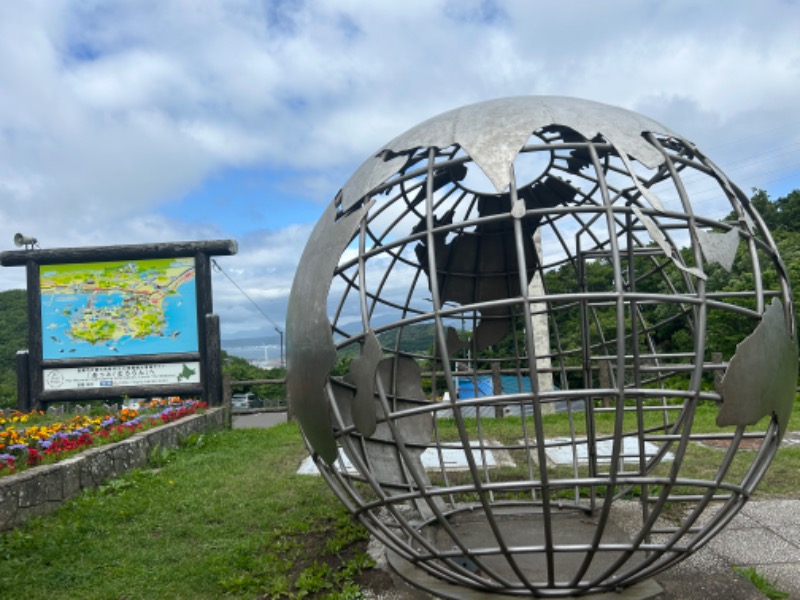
23	240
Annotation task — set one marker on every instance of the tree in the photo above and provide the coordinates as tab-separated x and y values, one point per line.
779	216
13	338
241	370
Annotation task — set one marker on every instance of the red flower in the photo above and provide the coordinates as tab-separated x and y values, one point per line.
34	457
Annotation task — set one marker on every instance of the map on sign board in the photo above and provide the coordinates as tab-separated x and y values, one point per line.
118	308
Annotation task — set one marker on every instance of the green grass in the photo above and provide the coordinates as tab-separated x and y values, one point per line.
762	584
226	516
701	462
509	428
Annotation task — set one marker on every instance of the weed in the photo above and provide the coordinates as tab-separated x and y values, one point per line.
346	533
316	578
350	591
159	456
115	486
761	583
194	440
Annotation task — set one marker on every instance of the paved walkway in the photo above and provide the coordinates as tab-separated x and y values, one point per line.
255	420
765	535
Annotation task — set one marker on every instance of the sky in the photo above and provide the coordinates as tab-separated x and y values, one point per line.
140	121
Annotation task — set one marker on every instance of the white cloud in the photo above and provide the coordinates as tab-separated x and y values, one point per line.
110	111
253	288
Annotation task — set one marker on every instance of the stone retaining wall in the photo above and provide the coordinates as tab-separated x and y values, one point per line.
43	489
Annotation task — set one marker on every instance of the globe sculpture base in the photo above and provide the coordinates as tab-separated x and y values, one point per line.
524	527
646	590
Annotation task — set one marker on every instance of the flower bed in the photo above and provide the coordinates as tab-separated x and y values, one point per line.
37	490
30	439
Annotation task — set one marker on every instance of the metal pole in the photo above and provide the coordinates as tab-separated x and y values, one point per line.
280	333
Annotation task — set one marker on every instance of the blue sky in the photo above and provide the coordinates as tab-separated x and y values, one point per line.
146	121
235	200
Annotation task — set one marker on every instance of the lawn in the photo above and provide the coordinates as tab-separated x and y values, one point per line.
225	515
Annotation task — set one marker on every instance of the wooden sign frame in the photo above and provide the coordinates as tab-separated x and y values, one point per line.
114	377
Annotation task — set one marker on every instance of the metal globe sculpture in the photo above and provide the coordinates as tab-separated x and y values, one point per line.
522	355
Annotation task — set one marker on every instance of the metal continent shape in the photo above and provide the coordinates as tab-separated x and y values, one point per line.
493	132
308	331
762	375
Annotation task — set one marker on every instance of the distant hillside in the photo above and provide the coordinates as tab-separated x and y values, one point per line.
414	338
13	337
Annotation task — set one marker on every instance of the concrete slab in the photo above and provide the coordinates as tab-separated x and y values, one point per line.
740	521
753	546
453	457
565	455
792	438
762	536
777	514
705	584
709	573
521	528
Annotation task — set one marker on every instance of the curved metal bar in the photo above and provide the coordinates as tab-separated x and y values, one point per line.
412	246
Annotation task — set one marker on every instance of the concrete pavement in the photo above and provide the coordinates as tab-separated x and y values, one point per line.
257	419
765	536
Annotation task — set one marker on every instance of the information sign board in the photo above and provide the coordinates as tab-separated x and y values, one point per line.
121	376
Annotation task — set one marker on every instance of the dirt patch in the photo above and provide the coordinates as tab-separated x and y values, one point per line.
377	581
745	444
319	564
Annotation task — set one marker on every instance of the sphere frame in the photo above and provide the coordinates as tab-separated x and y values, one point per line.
559	253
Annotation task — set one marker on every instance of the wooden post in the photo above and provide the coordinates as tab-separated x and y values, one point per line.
35	378
290	408
212	382
23	382
605	380
227	396
202	265
497	389
716	358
